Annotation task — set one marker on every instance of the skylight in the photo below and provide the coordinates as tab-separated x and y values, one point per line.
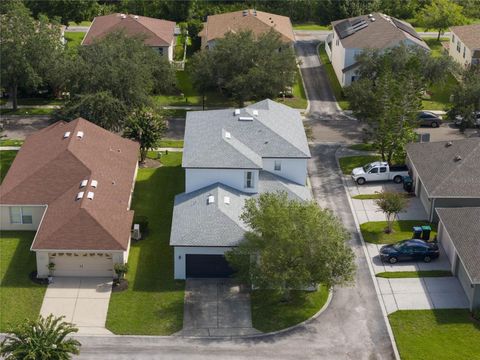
66	135
237	111
211	199
83	183
80	134
80	195
245	118
90	195
226	200
94	183
228	135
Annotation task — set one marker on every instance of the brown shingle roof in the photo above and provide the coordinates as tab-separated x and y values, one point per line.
379	34
468	34
258	22
157	32
48	170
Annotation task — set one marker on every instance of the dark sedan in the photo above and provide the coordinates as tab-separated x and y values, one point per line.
412	250
427	118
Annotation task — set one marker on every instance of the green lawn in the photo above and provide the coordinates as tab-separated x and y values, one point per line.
153	303
6	159
436	46
362	147
335	85
436	334
74	39
171	143
413	274
439	95
39	101
311	26
11	142
348	163
82	23
27	111
373	231
269	313
20	298
299	99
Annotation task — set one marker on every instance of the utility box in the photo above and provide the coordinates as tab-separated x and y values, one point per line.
136	232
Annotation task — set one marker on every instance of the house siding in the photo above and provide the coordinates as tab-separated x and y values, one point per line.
199	178
292	169
37	215
458	55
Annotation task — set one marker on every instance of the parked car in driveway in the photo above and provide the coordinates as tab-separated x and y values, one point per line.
409	250
427	118
379	171
475	121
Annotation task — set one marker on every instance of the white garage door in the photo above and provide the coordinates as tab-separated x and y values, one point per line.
424	198
465	281
447	244
82	264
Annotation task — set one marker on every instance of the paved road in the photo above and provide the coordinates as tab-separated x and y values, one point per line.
19	126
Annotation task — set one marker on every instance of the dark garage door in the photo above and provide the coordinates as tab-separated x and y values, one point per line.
207	266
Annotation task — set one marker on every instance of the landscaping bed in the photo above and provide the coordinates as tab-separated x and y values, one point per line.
436	334
20	298
153	302
373	231
270	313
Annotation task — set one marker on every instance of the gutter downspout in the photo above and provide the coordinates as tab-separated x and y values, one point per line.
432	209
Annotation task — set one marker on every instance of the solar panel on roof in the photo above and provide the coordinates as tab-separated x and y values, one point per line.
346	28
406	28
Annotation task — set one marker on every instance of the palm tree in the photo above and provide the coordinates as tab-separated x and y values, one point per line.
44	338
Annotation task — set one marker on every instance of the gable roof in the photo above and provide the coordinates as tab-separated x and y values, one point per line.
157	32
442	172
198	223
463	228
385	31
275	131
469	35
256	21
49	169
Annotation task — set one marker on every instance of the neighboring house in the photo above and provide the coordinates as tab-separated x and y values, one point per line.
158	34
72	184
464	45
374	31
445	174
459	233
258	22
230	156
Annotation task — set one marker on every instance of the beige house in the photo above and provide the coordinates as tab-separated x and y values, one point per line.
464	45
72	183
374	31
159	34
258	22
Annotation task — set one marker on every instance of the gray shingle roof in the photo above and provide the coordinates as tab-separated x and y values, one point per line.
464	229
441	173
197	223
276	131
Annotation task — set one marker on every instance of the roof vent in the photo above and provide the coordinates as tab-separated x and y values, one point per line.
94	183
226	200
448	144
80	195
372	19
237	112
245	118
370	15
228	135
245	12
123	16
254	12
255	112
90	195
458	158
80	134
66	135
210	199
135	17
83	183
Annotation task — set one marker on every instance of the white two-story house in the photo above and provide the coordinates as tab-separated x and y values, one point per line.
231	155
350	37
464	46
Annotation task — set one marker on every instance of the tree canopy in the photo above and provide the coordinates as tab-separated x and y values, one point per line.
391	204
291	244
245	68
466	96
440	15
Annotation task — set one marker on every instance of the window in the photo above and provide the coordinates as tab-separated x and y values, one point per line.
374	171
160	51
19	215
249	179
383	169
278	165
458	46
353	78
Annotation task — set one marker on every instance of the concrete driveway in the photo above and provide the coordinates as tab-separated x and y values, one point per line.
83	302
216	307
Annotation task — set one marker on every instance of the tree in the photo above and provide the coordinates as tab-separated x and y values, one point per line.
123	66
291	244
100	108
440	15
65	10
391	203
147	128
27	50
466	97
120	270
245	68
44	338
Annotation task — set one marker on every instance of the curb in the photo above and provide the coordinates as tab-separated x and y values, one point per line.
370	268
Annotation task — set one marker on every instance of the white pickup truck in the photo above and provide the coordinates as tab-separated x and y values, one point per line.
379	171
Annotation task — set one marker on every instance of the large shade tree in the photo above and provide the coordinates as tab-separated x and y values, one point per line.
43	338
466	97
440	15
29	49
291	245
244	67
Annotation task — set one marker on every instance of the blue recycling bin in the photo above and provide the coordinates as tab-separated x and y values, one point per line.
417	232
